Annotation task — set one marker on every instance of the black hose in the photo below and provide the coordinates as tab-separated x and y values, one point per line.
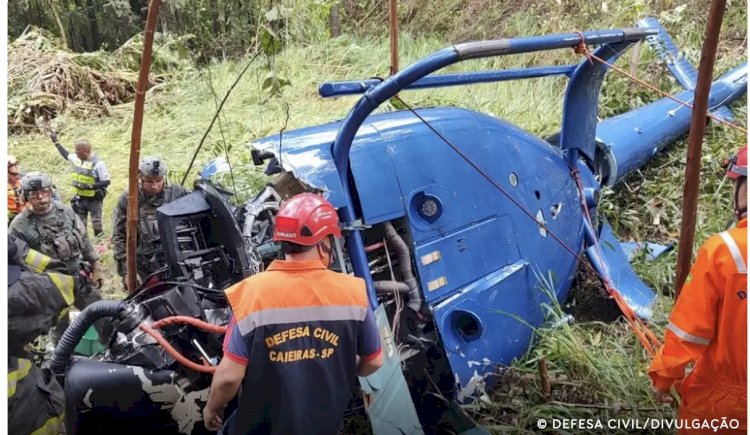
404	263
388	287
80	325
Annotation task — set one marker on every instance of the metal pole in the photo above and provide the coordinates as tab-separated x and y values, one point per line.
695	142
393	18
135	146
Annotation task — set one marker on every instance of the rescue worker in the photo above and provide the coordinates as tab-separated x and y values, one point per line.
153	192
36	301
708	326
306	331
90	181
15	202
52	228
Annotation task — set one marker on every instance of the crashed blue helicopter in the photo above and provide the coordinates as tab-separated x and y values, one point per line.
452	217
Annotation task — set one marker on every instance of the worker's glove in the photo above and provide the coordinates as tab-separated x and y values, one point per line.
53	136
662	396
96	277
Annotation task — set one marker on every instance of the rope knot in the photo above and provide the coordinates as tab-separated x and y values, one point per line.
581	48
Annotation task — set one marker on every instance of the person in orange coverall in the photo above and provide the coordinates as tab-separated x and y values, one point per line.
708	326
16	204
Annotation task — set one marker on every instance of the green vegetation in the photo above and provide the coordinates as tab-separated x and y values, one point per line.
596	368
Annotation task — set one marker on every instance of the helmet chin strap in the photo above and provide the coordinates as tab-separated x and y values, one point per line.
739	212
323	251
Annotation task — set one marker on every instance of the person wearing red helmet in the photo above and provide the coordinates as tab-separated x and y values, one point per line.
708	327
299	334
737	172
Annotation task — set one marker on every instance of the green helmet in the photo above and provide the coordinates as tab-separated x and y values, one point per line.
152	167
35	181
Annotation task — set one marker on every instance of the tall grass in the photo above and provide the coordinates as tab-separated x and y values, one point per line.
596	368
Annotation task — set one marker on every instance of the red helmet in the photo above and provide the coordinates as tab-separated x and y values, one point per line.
737	165
306	219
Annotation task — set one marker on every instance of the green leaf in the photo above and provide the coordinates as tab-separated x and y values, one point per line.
269	42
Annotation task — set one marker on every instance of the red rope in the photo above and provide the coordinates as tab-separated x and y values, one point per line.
174	320
645	335
647	338
174	353
581	48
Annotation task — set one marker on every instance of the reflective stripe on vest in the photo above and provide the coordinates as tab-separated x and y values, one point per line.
24	367
83	173
65	284
63	314
687	336
735	251
36	261
51	426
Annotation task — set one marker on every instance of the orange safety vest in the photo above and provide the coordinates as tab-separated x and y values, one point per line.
708	326
15	202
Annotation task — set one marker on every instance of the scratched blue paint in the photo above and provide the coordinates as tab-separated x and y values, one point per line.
633	138
497	265
337	89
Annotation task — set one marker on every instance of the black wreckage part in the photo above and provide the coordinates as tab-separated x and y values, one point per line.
102	397
75	331
136	386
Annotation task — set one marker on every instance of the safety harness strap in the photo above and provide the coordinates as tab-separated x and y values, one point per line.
735	251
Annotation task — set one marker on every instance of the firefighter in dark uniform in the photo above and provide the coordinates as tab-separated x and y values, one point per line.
52	228
36	301
90	181
153	191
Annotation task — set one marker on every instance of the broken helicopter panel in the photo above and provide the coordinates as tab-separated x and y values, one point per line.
452	217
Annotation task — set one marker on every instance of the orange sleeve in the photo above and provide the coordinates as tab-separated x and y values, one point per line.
692	324
12	206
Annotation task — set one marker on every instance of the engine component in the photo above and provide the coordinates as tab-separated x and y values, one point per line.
257	228
75	331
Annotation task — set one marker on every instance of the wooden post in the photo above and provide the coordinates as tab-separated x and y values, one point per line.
393	19
544	376
135	146
695	142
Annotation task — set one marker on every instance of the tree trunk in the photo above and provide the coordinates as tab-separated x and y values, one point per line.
213	8
221	9
96	40
83	31
40	16
334	21
59	23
